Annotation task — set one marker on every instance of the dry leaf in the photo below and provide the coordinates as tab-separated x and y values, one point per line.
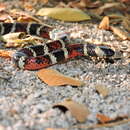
86	127
103	118
16	43
6	54
4	17
11	39
20	39
54	78
28	19
56	129
104	91
28	6
82	4
79	111
2	7
115	16
44	1
22	16
119	32
12	36
79	4
65	14
106	6
126	24
24	19
110	5
40	1
104	23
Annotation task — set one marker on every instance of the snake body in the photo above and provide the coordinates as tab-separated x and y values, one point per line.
40	56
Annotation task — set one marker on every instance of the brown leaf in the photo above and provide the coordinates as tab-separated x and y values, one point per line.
54	78
119	32
6	54
104	23
106	6
126	24
79	111
22	16
82	4
45	1
56	129
115	16
40	1
103	118
2	7
28	6
102	90
101	125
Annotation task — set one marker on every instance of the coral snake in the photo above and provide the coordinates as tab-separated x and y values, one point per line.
56	51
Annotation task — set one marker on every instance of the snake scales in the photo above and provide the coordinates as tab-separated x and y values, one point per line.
40	56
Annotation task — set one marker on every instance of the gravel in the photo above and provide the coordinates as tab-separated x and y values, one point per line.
26	102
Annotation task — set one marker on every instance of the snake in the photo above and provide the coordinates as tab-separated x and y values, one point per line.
56	51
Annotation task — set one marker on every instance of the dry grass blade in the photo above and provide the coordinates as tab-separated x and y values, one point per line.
106	6
119	32
101	125
104	23
54	78
126	24
115	16
56	129
79	111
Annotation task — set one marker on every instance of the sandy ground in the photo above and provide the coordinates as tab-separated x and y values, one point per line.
26	102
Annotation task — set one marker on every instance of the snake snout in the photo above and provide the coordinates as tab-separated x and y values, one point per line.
19	59
108	52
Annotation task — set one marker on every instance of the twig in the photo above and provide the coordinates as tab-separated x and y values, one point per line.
102	125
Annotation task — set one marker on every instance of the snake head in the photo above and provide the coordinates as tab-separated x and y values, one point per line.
19	59
104	52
